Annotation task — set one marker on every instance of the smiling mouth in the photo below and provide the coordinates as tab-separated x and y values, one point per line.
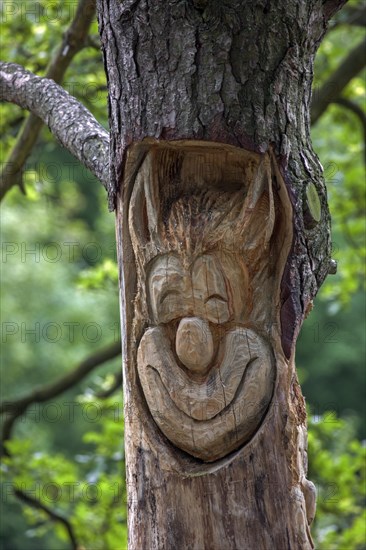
211	416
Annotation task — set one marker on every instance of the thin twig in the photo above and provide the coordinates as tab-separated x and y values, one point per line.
358	111
54	516
69	121
333	87
117	384
17	407
73	41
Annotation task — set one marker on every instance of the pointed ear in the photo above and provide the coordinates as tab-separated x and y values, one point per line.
144	210
257	216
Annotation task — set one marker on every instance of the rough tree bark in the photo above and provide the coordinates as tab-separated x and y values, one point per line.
223	239
73	41
69	121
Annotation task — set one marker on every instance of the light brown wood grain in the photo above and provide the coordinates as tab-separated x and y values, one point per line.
204	231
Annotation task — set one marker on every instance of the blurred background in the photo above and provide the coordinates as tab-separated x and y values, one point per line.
60	314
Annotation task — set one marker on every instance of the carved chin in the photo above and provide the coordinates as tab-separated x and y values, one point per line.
211	418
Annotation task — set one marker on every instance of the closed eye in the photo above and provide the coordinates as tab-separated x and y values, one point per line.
167	294
216	297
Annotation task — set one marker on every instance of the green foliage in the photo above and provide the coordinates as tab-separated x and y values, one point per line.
47	250
74	321
88	488
342	153
328	354
105	275
337	467
77	467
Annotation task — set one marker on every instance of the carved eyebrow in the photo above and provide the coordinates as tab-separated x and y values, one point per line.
162	270
161	264
166	277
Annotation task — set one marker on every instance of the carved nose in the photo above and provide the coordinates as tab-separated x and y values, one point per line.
194	344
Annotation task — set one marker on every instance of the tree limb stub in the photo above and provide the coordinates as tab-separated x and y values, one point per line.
74	39
68	120
335	84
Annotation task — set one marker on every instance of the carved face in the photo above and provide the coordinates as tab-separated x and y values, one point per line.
201	290
197	296
193	363
205	293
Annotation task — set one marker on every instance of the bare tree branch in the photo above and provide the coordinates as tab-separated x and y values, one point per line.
17	407
330	7
93	41
69	121
73	41
116	384
336	83
358	111
350	15
54	516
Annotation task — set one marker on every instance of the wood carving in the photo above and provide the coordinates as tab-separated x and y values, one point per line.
213	410
208	226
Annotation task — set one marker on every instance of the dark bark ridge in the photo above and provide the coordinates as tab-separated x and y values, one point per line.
224	72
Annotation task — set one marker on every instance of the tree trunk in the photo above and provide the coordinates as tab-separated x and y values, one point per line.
223	241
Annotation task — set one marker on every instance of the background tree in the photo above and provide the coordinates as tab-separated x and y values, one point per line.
77	201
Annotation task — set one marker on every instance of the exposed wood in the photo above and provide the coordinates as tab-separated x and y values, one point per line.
230	73
214	425
220	253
